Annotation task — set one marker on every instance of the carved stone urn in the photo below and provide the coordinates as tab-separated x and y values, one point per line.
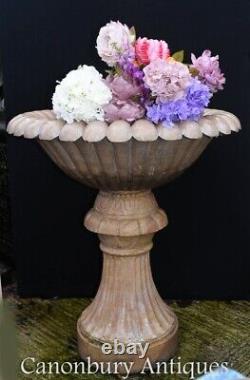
125	162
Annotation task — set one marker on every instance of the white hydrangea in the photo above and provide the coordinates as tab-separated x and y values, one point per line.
81	95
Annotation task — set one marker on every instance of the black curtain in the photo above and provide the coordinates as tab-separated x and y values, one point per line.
204	252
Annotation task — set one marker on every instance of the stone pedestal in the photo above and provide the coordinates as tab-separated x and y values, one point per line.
127	306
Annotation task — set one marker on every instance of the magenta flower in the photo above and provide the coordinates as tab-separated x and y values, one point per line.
167	79
209	71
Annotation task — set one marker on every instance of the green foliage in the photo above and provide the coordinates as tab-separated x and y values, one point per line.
133	32
193	71
178	56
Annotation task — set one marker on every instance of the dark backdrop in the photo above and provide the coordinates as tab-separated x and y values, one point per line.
204	252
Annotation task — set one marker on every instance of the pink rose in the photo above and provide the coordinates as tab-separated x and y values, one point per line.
209	71
148	50
167	80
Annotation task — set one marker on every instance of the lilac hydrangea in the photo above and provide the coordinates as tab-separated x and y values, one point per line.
190	107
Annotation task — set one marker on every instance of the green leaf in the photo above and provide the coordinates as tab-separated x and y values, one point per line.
178	56
133	32
110	72
193	71
118	70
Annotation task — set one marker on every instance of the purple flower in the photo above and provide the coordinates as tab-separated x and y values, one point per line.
190	107
209	71
123	104
134	73
123	110
127	65
123	88
197	98
131	69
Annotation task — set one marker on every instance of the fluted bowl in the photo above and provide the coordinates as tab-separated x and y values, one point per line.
121	156
130	165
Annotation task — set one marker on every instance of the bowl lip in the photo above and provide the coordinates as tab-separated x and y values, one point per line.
105	139
44	125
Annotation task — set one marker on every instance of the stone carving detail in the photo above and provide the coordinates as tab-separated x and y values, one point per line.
45	126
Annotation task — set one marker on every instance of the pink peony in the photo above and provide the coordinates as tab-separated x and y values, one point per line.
167	79
114	41
148	50
123	88
209	70
123	105
123	110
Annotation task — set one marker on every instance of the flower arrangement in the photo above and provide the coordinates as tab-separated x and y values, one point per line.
144	80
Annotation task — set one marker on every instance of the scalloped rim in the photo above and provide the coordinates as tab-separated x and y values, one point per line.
44	125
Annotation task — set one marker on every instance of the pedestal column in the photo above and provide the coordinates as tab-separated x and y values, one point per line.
127	306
